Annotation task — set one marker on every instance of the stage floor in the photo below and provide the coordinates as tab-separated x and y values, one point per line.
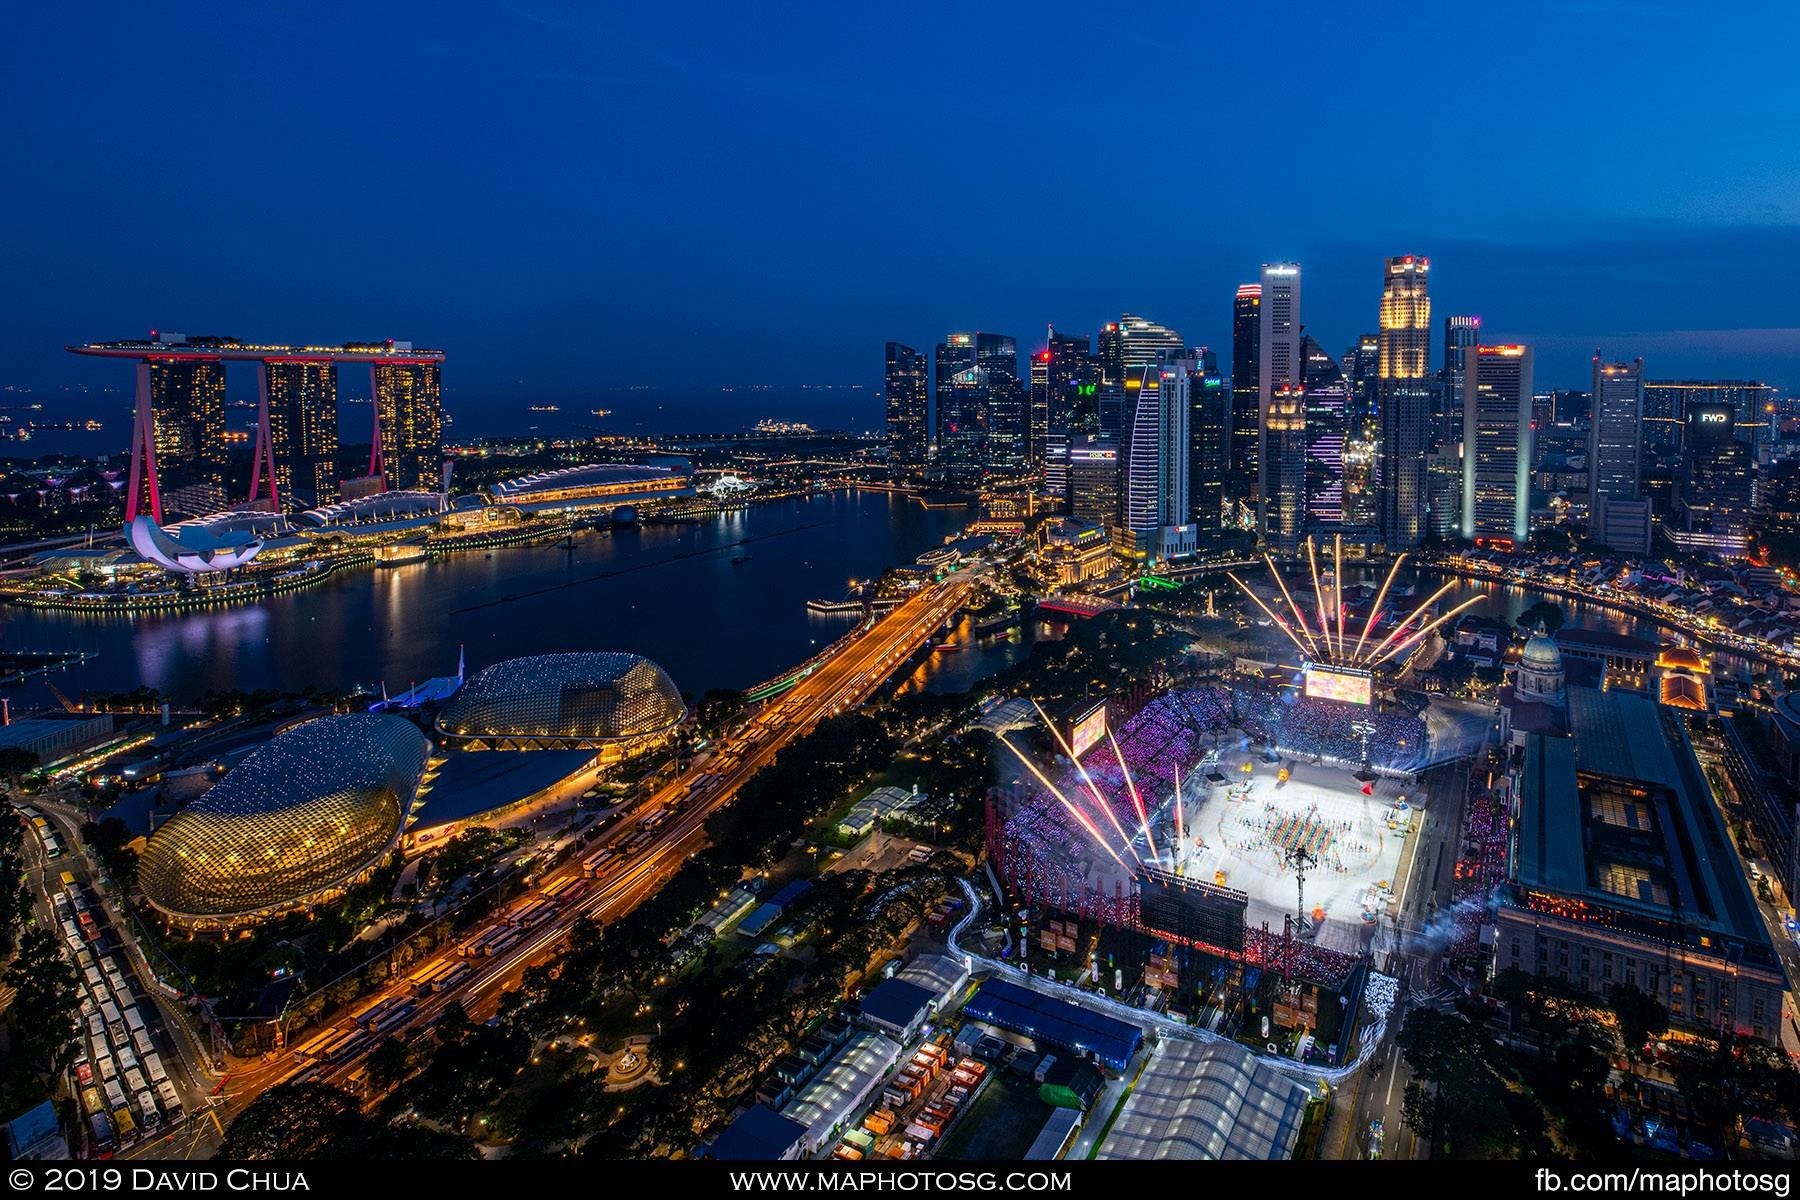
1246	828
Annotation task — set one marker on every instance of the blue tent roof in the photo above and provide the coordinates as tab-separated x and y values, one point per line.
896	1002
1006	1004
760	1134
31	1130
791	893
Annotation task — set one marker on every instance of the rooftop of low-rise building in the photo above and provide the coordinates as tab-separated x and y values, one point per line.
1618	821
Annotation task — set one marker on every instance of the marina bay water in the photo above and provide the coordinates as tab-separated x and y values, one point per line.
671	592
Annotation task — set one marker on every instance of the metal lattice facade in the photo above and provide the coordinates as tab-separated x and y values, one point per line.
567	701
296	822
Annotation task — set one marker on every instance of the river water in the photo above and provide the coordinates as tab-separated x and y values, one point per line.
669	592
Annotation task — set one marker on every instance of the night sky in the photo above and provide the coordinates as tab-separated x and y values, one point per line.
590	196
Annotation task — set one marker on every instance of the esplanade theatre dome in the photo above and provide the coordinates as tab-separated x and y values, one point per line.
567	701
293	825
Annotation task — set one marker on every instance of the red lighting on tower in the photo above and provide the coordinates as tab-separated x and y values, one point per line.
143	455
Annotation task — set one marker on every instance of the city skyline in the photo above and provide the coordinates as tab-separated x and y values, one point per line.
677	222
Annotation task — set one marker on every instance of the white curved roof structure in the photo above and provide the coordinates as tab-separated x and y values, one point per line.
191	549
381	507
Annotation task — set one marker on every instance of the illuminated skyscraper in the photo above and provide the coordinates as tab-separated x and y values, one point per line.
1666	403
1713	507
1404	400
1209	422
1111	354
187	400
1094	481
961	402
1364	375
409	405
1156	460
1618	516
1497	444
1072	378
303	430
1277	364
1056	469
1246	416
1284	469
1142	342
908	399
1037	410
1461	335
908	405
1327	401
1008	407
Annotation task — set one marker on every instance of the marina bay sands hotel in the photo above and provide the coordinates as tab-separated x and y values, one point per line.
178	446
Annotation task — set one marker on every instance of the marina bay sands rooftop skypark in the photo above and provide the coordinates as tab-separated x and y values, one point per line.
164	346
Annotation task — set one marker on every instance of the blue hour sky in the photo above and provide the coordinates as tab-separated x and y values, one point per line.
582	196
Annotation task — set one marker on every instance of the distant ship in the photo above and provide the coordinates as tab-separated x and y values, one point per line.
544	408
601	412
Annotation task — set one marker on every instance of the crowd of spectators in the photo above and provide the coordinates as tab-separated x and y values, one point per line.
1480	870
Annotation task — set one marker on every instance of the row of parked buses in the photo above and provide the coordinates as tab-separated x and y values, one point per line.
125	1090
633	841
46	832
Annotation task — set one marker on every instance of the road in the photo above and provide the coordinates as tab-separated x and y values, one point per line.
185	1059
847	679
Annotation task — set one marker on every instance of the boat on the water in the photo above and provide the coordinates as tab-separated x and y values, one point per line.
399	554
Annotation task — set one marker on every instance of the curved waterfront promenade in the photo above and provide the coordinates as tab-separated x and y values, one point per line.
1754	652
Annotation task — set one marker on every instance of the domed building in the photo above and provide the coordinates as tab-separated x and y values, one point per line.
296	823
1536	698
612	702
1541	678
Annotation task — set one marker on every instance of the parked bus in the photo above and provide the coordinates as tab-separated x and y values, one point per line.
100	1127
146	1104
122	1121
115	1095
115	1024
533	913
134	1020
310	1049
91	1102
171	1102
593	863
400	1014
333	1046
153	1068
556	891
140	1041
494	940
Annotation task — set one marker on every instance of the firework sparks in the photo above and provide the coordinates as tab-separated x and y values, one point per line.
1331	644
1079	816
1137	801
1092	787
